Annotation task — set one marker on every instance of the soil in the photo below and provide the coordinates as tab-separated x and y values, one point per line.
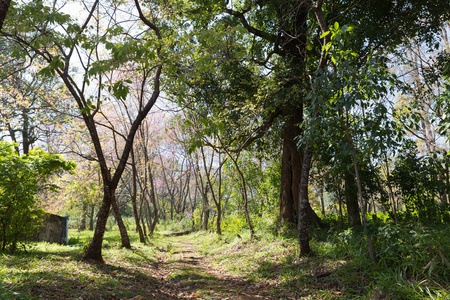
189	275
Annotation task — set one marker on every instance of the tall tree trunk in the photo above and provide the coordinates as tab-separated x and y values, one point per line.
322	203
391	193
12	134
303	202
142	216
205	210
83	217
291	165
122	229
152	194
291	168
134	176
341	217
203	188
148	216
168	187
94	249
141	211
26	143
4	6
219	220
212	221
193	205
244	196
155	218
91	219
217	200
351	199
358	182
447	182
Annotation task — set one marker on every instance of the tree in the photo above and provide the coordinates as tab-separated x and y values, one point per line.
80	194
284	37
420	109
59	40
22	178
33	109
418	185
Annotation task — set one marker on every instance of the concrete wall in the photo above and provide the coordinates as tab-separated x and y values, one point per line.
53	229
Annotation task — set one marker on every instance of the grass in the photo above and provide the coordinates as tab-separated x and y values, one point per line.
412	263
56	271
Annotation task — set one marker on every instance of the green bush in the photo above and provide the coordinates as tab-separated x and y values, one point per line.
406	255
234	224
21	179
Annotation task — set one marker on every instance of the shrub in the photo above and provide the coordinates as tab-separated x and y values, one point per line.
21	179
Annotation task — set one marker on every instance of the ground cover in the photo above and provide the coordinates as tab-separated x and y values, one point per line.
202	265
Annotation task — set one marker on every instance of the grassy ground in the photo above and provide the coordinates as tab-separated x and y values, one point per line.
52	271
412	263
204	266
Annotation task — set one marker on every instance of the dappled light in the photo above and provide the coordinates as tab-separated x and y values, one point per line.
225	149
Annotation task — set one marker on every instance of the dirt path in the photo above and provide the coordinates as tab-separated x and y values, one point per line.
188	273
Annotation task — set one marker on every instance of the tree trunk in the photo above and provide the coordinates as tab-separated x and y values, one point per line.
26	144
363	212
341	217
358	182
390	193
212	221
91	219
4	6
205	210
155	218
351	199
219	220
94	249
148	216
193	205
322	203
122	229
303	202
152	193
447	182
245	198
83	217
142	215
134	198
217	200
290	170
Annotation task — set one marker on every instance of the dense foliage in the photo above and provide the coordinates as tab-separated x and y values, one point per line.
240	118
22	178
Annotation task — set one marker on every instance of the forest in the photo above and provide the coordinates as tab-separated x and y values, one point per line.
247	149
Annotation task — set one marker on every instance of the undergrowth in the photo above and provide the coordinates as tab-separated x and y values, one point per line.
412	260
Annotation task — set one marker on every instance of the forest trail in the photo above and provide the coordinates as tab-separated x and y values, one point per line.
189	274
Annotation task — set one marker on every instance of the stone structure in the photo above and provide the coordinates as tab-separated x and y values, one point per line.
53	229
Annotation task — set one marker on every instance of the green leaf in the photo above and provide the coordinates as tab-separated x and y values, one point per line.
120	90
336	25
350	28
325	34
